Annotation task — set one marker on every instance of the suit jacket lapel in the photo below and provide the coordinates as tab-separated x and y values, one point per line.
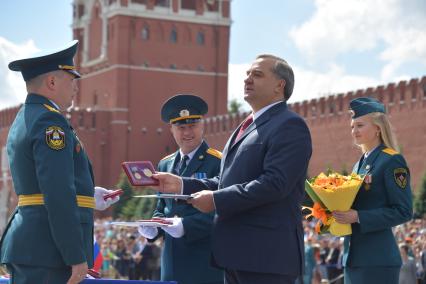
172	164
196	160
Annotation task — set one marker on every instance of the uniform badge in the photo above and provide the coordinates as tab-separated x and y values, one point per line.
201	157
184	113
55	137
400	176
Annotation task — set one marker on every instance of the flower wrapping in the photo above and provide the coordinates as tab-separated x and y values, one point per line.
329	193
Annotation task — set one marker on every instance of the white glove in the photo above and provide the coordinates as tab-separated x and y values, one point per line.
176	230
148	232
100	203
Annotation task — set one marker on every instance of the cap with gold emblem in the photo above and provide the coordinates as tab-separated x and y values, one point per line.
60	59
183	109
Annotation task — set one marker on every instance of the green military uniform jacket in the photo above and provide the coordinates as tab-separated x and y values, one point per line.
52	175
186	259
383	201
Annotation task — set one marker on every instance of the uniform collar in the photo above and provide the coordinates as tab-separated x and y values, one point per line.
191	154
33	98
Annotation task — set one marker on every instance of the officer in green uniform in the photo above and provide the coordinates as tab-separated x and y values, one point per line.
186	252
49	238
371	254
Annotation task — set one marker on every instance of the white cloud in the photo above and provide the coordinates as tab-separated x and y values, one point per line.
339	27
12	90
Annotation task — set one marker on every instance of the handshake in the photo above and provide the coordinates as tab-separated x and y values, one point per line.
175	229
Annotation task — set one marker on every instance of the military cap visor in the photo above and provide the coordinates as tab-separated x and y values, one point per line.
363	106
60	59
183	109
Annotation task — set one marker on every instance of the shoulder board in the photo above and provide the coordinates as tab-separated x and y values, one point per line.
51	108
390	151
214	152
168	156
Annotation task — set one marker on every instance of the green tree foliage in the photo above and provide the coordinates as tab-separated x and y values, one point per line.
345	171
420	198
130	208
234	106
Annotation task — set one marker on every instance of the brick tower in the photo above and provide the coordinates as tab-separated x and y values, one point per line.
134	54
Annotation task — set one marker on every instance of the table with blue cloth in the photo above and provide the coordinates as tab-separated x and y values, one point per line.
111	281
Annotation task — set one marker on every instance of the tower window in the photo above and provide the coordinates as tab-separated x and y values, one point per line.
200	38
162	3
173	35
145	33
188	4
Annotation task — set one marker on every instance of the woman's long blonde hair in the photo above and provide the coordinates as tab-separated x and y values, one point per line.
387	135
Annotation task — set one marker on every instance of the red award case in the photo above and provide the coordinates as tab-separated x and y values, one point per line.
140	173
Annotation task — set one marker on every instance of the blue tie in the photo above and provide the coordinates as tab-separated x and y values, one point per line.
182	164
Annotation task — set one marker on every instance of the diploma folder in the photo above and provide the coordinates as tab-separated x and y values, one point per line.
154	222
166	196
140	173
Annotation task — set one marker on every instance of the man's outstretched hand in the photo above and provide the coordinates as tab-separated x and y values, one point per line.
169	183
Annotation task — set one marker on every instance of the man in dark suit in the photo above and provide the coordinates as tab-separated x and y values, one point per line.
257	233
186	252
49	238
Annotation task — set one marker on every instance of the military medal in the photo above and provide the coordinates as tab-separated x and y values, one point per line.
368	179
137	175
78	148
147	172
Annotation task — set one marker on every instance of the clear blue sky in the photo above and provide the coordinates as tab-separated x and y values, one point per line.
334	46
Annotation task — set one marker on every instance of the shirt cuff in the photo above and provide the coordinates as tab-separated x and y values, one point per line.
214	203
181	185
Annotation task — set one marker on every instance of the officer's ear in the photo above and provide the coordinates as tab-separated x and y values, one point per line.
50	81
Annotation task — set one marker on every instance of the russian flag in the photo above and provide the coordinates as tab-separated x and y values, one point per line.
97	256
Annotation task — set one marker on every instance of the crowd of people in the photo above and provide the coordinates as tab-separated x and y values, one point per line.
127	255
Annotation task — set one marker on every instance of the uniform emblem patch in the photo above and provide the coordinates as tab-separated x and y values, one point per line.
55	137
400	176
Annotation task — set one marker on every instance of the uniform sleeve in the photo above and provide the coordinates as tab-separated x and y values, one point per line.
398	194
54	165
199	226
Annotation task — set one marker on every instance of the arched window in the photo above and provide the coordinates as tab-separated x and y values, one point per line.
145	33
173	35
200	38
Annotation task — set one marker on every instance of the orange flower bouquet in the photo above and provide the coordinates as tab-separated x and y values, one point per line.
332	192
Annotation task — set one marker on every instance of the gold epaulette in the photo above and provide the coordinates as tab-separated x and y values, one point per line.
51	108
214	152
390	151
168	156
